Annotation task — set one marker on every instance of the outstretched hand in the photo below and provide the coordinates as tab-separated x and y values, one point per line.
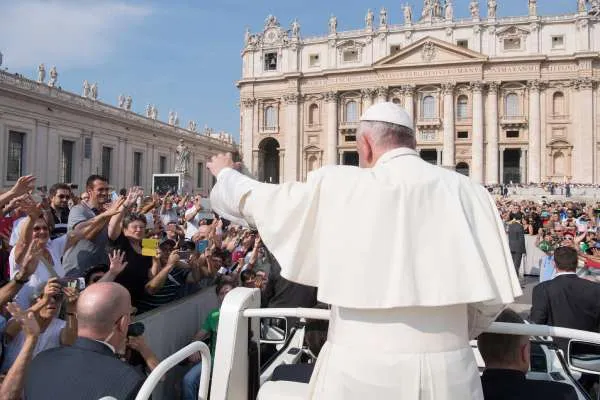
221	161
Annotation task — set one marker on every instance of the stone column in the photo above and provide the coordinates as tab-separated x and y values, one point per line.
477	134
409	100
291	137
331	157
281	166
535	132
522	165
248	133
448	159
382	94
438	160
501	156
492	135
584	143
525	171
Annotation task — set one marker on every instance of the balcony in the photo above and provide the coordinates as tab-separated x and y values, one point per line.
559	118
269	130
513	121
429	122
345	125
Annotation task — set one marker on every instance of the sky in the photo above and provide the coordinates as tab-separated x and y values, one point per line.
181	55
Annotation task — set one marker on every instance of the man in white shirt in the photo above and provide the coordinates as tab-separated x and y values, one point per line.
400	330
195	215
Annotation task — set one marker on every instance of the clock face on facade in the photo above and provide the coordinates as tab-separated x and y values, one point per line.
271	36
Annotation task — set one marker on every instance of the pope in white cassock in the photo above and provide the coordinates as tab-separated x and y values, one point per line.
413	259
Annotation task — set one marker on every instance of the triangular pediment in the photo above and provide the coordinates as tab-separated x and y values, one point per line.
512	31
428	50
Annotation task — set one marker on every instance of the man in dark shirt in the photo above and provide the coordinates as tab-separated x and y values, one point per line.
90	369
60	194
506	360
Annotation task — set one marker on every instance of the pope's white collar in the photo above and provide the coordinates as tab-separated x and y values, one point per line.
397	152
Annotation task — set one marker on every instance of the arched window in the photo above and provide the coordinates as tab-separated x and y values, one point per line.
270	117
428	107
558	103
461	107
351	111
462	168
512	105
396	100
313	114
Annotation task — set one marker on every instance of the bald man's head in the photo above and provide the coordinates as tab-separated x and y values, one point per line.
99	307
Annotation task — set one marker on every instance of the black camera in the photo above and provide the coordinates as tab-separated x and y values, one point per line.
136	329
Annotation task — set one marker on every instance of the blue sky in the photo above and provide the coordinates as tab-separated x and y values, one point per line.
182	55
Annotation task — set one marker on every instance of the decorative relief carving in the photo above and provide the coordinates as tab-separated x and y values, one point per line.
367	93
583	83
408	90
476	86
448	88
428	51
331	97
493	87
449	31
382	91
291	98
248	102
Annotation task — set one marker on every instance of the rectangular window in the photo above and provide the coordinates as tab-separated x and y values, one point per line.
66	161
106	162
512	44
395	49
350	56
87	148
558	42
137	168
271	62
512	134
463	43
199	180
16	153
314	60
162	165
462	135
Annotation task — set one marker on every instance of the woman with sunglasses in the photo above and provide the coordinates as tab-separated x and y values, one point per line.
34	229
46	302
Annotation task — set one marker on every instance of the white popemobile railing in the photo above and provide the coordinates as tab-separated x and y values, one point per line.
173	360
239	306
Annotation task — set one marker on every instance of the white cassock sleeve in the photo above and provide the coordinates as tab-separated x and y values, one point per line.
480	316
228	196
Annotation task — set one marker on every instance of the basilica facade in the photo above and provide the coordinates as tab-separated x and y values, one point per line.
501	99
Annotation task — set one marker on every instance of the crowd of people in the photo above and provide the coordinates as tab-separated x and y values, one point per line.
57	245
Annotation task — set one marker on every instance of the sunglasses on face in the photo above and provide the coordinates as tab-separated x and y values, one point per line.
63	196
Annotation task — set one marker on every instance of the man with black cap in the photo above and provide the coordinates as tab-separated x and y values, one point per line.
397	330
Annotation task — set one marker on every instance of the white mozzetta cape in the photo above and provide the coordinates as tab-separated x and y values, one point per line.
403	233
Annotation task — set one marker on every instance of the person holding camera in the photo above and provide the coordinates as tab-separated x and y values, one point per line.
54	332
103	316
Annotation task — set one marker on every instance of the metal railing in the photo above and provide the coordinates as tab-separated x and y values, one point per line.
495	327
172	361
